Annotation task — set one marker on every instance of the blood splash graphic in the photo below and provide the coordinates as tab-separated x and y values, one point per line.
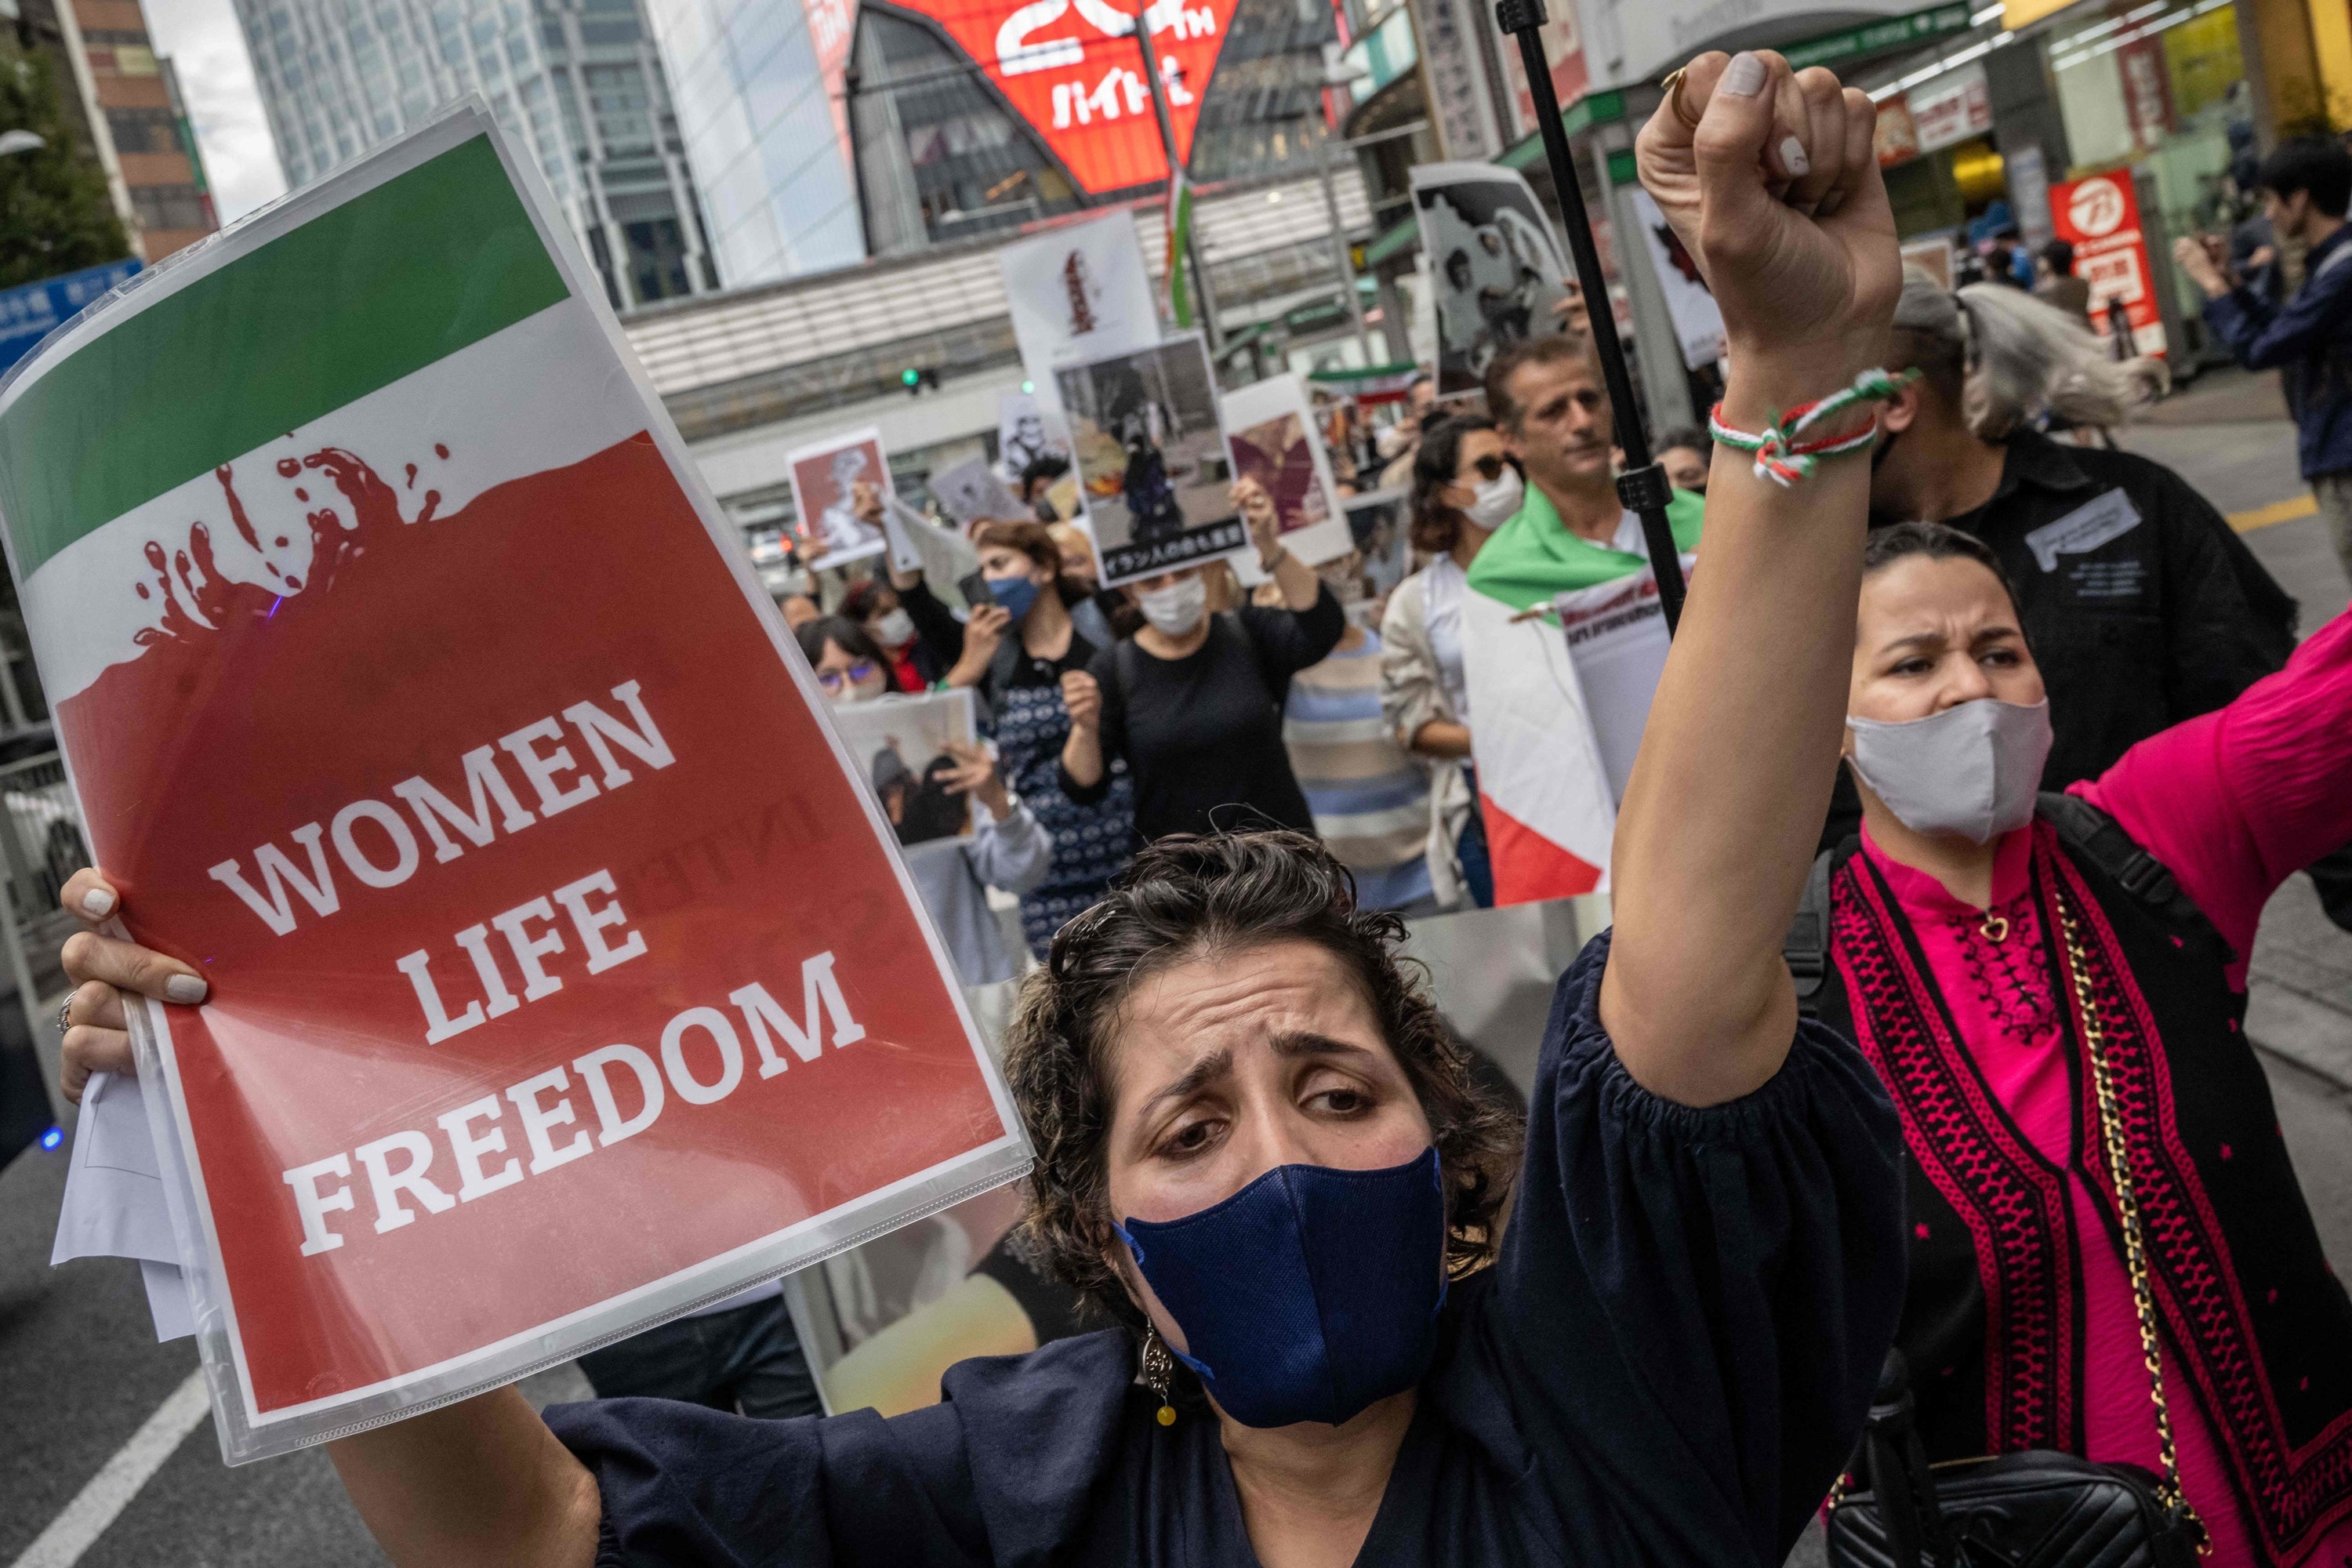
405	647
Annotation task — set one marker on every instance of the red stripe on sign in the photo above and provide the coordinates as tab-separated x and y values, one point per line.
1529	866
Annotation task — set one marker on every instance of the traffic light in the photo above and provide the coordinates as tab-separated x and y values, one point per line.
916	381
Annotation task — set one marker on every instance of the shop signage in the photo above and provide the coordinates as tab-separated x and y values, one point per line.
1896	137
1640	41
1952	108
1073	71
2100	218
1875	38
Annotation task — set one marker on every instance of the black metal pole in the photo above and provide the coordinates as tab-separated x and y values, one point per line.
1643	486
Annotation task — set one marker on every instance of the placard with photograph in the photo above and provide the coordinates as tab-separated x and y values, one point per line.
828	531
1152	458
899	746
1274	442
1495	266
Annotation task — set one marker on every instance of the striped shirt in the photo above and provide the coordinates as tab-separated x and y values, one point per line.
1370	799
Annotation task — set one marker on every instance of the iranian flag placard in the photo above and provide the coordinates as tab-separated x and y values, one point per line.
563	978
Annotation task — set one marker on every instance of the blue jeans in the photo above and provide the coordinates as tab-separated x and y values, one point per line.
1477	866
747	1359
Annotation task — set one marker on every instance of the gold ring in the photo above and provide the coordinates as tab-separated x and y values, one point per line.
1673	87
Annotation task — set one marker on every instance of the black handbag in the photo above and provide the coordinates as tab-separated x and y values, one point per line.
2037	1508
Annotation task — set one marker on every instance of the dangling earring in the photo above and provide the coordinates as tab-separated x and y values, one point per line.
1158	1372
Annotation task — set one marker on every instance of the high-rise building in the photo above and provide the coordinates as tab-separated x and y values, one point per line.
824	131
759	106
125	104
578	82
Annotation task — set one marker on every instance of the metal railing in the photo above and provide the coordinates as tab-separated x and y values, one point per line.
41	844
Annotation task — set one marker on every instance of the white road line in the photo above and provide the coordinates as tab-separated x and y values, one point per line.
110	1491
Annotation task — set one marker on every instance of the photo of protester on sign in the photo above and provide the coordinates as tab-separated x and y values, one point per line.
912	750
1275	442
825	478
1497	272
1152	458
561	977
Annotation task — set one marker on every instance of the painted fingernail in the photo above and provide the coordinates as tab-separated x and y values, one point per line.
1743	76
1793	157
97	903
185	988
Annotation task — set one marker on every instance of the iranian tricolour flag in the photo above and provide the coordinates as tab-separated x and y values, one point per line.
563	978
1561	642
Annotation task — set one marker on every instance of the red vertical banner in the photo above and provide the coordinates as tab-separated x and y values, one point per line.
2099	217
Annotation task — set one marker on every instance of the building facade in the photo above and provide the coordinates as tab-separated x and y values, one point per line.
762	112
578	82
128	115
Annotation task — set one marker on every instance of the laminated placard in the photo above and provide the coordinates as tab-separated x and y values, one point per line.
563	978
1152	456
1271	427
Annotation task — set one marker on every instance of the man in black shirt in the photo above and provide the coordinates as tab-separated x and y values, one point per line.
1193	701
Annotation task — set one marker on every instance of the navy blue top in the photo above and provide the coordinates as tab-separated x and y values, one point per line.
1668	1364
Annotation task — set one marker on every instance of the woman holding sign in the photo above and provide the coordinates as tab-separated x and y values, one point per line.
1260	1155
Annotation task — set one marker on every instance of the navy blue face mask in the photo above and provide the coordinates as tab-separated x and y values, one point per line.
1310	1293
1016	593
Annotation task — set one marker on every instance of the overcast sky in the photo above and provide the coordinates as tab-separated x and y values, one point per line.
208	50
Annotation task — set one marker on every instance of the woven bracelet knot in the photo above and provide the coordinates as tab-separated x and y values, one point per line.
1781	453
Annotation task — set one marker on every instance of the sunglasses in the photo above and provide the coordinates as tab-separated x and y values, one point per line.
858	674
1490	467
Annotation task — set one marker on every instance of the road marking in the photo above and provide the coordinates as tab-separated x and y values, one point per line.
2304	505
110	1491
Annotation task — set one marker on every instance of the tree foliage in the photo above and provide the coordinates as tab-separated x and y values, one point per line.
55	214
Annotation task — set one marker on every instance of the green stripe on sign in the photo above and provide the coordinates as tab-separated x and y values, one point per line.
358	296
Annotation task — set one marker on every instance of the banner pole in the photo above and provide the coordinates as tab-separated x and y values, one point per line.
1642	488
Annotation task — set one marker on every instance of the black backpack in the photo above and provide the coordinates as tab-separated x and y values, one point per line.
2084	829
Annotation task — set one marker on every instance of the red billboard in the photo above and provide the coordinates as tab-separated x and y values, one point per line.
2100	218
1073	71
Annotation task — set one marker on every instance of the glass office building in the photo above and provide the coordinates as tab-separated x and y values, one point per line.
578	82
759	86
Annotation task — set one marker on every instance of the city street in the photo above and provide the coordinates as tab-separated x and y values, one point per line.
103	1447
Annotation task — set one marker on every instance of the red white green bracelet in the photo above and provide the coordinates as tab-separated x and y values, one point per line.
1782	458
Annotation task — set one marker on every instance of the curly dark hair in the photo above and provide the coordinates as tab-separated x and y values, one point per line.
1188	896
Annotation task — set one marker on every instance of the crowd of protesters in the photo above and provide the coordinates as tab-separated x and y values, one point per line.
2004	1116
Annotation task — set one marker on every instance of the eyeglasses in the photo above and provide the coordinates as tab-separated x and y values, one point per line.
857	674
1490	467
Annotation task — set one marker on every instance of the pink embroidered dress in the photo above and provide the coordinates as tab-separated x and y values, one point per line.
2231	804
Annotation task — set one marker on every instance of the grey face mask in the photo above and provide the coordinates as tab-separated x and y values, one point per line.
1972	770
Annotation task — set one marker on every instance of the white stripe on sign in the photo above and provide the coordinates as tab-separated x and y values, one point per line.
110	1491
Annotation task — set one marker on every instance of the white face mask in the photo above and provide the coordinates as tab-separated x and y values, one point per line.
894	630
1972	770
1174	611
1499	499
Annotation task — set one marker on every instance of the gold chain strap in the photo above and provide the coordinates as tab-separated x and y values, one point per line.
2118	1153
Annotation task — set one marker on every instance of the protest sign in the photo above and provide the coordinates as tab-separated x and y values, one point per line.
971	493
899	746
1274	442
1153	458
1690	303
1496	270
1023	436
1078	292
563	977
825	477
1616	636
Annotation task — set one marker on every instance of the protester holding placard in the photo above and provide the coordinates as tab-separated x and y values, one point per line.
1259	1151
1548	776
1465	486
1006	848
1016	652
875	605
2051	984
1192	702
